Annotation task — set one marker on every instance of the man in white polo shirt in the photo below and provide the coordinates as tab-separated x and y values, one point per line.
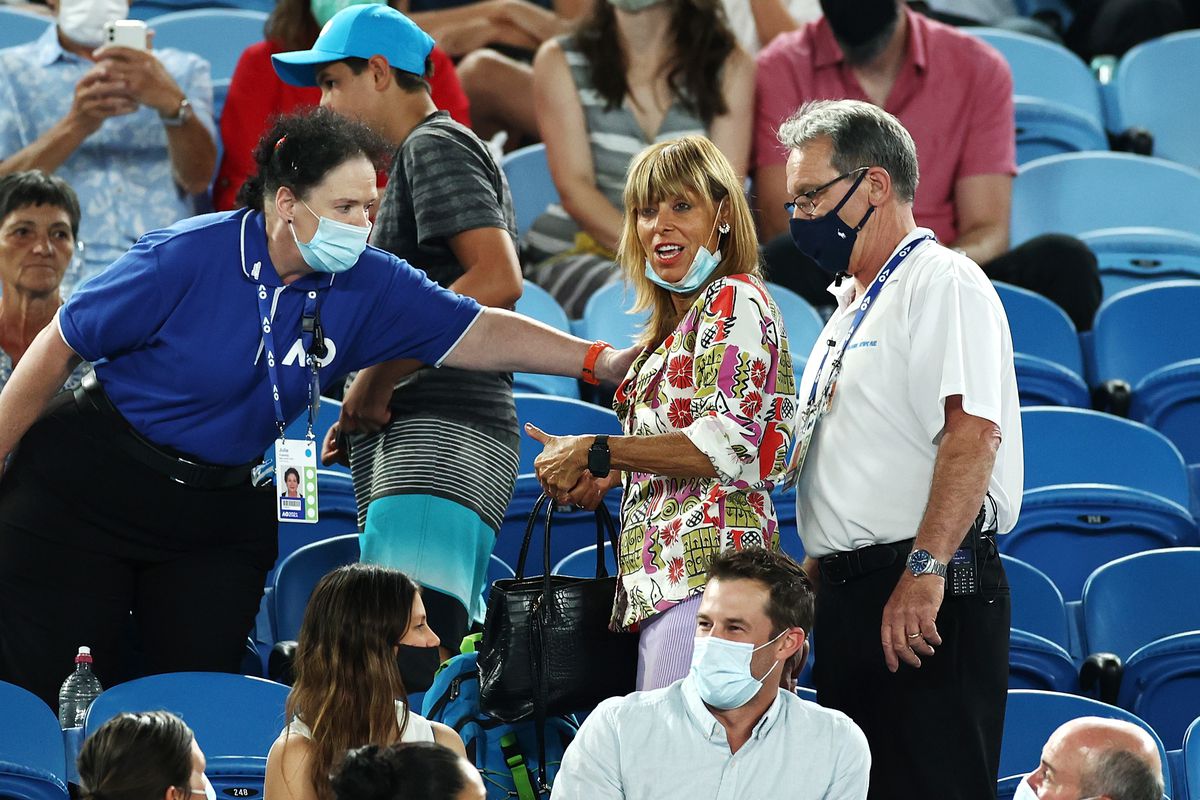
909	460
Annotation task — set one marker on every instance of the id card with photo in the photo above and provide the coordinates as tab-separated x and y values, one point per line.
296	480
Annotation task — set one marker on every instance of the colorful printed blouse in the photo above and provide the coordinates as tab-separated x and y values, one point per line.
724	379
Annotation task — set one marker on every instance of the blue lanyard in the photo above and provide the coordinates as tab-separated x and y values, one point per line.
864	307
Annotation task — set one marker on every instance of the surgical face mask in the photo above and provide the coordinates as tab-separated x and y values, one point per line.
827	239
721	671
83	20
1025	792
862	27
209	792
335	247
634	5
323	10
704	264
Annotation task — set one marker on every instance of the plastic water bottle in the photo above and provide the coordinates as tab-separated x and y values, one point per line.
78	691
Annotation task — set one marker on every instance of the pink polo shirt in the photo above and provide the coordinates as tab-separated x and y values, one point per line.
953	94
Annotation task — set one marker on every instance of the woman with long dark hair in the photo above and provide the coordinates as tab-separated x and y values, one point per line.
634	73
348	691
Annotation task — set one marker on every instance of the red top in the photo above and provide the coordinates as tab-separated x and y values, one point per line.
953	94
256	93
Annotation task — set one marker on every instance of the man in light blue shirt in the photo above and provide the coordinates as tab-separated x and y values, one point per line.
131	131
727	731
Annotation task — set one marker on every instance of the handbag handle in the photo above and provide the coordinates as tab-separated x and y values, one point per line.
533	515
604	525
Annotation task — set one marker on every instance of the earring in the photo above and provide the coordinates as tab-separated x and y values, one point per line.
723	227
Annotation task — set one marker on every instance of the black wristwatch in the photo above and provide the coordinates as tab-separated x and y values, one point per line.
599	458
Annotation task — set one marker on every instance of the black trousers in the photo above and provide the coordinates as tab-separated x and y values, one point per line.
935	731
97	549
1058	267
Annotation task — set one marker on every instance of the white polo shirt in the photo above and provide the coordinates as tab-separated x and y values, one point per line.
937	329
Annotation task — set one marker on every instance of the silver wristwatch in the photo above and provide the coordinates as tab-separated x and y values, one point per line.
180	116
921	562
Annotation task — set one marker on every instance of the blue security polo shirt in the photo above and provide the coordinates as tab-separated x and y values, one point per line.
172	328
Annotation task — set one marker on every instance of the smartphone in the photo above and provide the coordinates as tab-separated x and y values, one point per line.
125	33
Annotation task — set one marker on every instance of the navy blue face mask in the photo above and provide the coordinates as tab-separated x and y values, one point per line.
828	240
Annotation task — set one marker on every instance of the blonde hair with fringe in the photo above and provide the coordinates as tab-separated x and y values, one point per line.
690	166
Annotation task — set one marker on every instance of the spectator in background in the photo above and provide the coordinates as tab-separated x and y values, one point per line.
447	208
916	69
150	755
39	219
728	724
633	74
493	42
256	93
130	130
1111	27
348	690
756	23
1098	758
410	771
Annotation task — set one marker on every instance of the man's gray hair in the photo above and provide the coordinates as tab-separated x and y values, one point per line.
1121	775
862	135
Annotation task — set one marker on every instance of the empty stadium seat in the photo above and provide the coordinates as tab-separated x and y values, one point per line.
1078	192
220	93
299	574
235	719
803	323
1156	87
21	27
32	764
1097	487
1149	338
1040	650
529	180
1145	609
558	416
1056	100
1046	351
219	35
1191	758
582	563
606	316
327	413
538	304
573	528
1031	716
1133	256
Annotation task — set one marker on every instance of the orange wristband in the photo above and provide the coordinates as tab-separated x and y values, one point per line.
589	362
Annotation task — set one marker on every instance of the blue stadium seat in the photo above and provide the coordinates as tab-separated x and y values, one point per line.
149	9
606	317
801	320
573	528
1191	758
1056	100
558	416
235	719
20	27
1149	337
582	563
327	414
1144	608
1134	256
1155	82
1062	8
1078	192
1040	651
299	574
529	180
219	35
1048	361
1097	487
32	764
1031	716
538	304
220	93
805	693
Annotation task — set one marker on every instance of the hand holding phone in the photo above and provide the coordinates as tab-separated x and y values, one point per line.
129	33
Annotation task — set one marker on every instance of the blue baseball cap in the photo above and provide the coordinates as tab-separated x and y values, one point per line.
359	31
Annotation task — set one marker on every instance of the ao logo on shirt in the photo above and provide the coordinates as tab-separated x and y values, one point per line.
298	355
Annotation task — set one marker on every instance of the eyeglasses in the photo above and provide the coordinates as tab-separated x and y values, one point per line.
808	202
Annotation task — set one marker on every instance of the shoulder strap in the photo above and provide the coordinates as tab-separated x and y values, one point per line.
516	765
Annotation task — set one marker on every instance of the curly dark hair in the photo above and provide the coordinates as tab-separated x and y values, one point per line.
703	42
300	149
412	769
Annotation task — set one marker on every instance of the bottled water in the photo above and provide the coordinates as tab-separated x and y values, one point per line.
78	691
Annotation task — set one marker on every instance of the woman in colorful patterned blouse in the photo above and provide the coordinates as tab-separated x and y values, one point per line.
706	408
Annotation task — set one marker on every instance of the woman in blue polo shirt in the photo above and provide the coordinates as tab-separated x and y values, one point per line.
134	493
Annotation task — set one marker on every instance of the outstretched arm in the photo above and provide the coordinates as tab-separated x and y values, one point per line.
40	373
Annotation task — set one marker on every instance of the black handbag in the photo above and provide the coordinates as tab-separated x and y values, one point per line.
547	648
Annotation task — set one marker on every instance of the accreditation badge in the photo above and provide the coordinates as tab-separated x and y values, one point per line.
808	424
296	480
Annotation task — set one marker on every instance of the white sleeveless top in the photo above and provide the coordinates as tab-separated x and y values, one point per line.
418	728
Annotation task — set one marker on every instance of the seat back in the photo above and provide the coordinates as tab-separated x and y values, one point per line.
1133	256
1140	330
803	323
1151	89
1046	70
29	732
1077	192
537	303
1037	604
21	27
529	180
606	316
219	35
1080	446
1040	327
582	563
1135	600
1049	128
299	574
558	416
1191	757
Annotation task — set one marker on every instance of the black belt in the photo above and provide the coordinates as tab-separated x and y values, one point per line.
839	568
90	396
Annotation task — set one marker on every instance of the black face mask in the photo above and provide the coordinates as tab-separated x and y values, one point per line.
417	665
861	27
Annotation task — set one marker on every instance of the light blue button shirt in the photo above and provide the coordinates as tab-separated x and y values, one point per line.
666	745
122	172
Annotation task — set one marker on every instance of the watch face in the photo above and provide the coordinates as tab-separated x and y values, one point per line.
918	562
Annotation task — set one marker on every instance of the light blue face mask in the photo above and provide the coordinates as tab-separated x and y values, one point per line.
634	5
721	671
704	264
335	247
